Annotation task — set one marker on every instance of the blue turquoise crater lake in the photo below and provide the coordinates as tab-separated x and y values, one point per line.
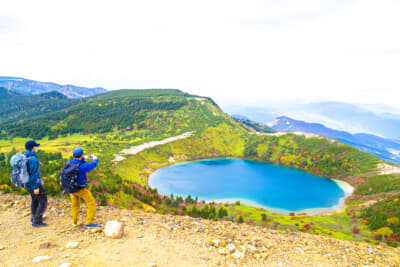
275	188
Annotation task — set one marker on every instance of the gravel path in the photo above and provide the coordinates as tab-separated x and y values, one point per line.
165	240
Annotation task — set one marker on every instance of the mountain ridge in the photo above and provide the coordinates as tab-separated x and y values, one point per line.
33	87
381	147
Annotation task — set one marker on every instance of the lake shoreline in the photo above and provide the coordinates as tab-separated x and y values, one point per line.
339	207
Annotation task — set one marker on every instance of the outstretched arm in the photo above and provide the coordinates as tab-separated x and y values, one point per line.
88	167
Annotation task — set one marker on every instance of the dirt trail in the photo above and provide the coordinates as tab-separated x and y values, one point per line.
165	240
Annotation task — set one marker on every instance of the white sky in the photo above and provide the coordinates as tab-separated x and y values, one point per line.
234	51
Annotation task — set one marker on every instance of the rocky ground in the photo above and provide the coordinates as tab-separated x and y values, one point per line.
164	240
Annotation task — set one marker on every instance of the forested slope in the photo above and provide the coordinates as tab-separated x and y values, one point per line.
15	106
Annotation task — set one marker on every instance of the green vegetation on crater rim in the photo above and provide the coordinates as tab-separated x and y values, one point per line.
108	123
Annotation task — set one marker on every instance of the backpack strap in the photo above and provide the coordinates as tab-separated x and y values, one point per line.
27	164
79	164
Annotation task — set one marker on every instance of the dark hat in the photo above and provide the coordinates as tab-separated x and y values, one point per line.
30	145
77	152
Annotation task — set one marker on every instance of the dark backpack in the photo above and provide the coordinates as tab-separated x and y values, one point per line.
20	170
69	177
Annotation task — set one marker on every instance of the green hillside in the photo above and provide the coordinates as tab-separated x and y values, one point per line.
108	123
152	112
15	106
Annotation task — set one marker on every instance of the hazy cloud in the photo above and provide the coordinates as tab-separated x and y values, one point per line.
270	13
234	51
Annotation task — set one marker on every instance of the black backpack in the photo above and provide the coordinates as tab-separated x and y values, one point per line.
69	177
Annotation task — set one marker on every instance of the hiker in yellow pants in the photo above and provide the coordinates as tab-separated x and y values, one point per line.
84	193
76	203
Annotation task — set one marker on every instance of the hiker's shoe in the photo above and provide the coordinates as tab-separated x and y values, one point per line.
41	224
74	225
42	220
93	225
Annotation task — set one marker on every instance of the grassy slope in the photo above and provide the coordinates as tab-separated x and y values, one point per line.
216	135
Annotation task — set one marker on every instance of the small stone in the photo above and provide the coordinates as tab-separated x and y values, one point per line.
67	264
215	242
114	229
94	231
230	248
41	258
45	245
229	235
223	243
1	248
72	245
238	255
222	251
152	264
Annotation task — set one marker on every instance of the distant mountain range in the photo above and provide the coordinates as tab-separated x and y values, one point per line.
31	87
382	148
378	120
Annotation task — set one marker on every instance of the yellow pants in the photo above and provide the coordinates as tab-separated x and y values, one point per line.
76	203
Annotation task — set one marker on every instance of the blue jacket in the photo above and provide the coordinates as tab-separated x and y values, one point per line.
84	168
34	171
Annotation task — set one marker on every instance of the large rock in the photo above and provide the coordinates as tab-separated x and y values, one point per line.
114	229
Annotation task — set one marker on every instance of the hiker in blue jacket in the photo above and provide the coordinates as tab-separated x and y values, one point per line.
35	185
83	193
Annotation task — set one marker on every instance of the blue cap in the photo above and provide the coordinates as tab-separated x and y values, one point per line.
30	145
77	152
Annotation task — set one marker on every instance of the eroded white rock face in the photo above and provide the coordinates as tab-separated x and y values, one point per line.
139	148
114	229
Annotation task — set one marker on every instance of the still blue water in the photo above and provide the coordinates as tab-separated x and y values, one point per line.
265	184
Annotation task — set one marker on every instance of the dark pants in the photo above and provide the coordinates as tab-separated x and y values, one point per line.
39	205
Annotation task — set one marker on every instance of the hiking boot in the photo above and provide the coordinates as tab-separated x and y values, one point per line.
93	225
42	220
41	224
